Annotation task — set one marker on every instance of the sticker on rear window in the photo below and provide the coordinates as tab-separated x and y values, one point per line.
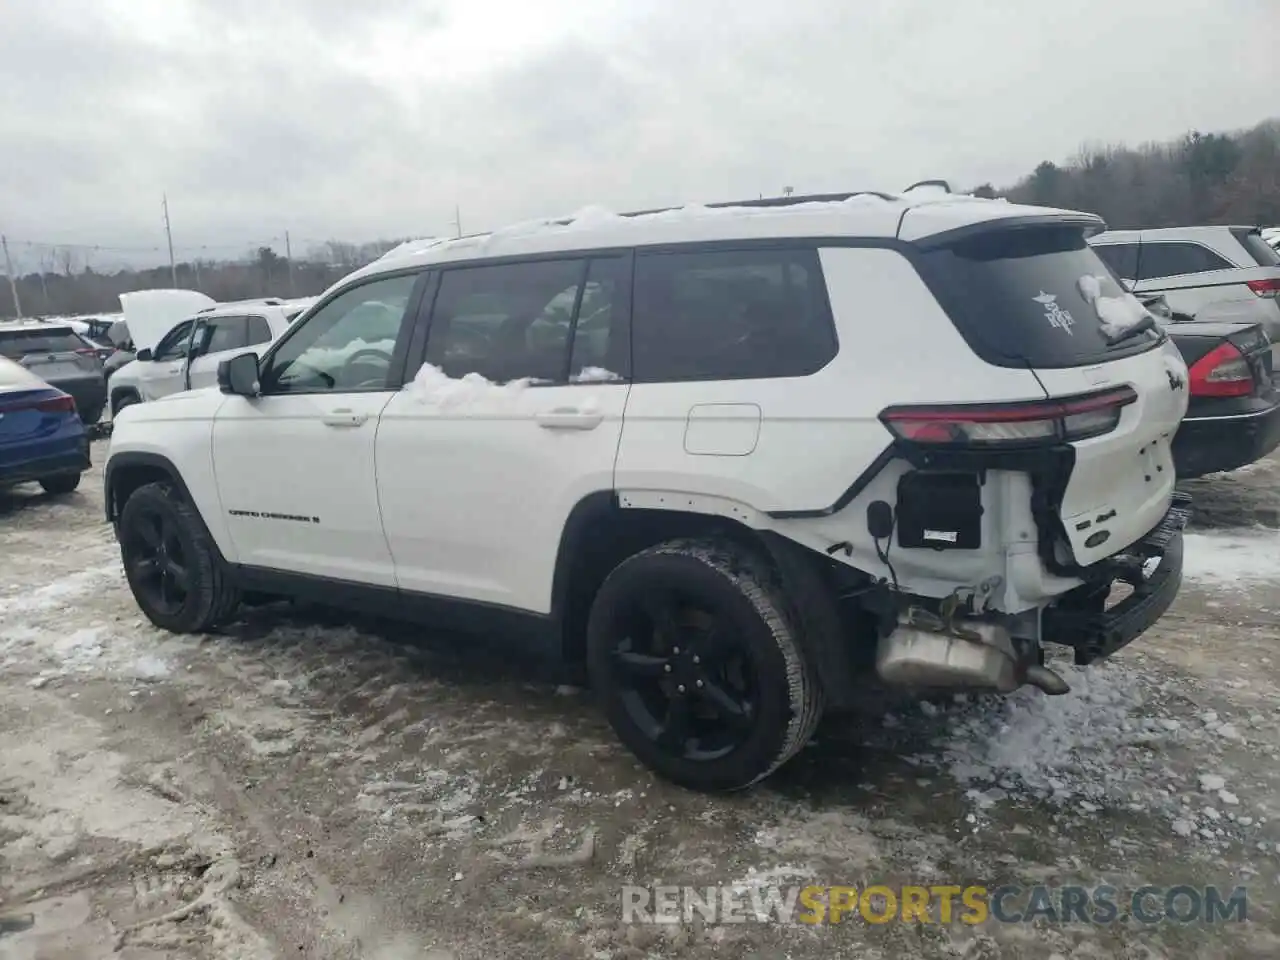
1054	313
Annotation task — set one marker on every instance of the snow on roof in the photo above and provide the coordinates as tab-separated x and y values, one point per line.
49	323
931	210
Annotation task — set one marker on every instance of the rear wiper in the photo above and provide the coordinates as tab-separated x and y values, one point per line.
1128	333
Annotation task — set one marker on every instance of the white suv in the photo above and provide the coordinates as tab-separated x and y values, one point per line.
187	355
1210	273
728	457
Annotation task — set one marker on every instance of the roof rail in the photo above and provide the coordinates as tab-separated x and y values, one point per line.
930	183
252	301
788	201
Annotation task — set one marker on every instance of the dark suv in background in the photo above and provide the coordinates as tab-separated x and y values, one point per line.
61	358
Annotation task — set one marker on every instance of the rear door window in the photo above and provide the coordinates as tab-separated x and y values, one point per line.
16	344
227	333
1262	252
1034	298
1164	258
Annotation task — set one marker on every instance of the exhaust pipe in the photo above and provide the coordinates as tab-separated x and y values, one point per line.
973	656
1050	681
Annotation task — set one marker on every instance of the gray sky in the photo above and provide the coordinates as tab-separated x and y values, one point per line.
335	121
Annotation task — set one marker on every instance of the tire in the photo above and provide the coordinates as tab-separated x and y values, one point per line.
60	484
124	400
204	596
730	601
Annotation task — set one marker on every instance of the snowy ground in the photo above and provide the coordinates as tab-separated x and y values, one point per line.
297	789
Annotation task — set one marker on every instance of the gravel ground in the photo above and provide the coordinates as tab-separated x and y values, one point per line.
310	786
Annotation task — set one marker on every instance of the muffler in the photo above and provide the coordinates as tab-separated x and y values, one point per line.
973	655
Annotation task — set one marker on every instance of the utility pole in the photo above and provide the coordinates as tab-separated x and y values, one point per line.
168	232
195	262
13	284
288	255
457	220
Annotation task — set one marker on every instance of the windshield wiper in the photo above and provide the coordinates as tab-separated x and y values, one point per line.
1128	333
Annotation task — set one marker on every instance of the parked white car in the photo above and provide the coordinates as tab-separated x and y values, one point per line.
1210	273
728	457
186	355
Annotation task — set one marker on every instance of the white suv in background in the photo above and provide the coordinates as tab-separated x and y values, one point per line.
730	457
1210	273
187	355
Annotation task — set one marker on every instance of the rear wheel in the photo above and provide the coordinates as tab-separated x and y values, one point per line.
693	650
60	483
174	570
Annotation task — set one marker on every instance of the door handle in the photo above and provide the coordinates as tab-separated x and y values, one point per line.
569	418
176	368
344	417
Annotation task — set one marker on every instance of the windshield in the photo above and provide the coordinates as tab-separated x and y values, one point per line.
1036	297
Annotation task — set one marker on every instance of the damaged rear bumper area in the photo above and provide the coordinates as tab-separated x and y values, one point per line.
1152	567
926	651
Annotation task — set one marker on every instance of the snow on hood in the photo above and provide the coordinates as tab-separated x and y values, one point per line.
150	314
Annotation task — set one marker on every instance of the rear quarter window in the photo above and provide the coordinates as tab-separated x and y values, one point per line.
730	315
1031	297
16	344
1158	259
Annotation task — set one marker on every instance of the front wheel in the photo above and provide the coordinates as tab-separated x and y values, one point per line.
173	567
122	401
60	484
694	653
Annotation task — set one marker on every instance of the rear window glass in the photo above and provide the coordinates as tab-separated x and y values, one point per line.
1038	298
1122	258
19	343
1261	251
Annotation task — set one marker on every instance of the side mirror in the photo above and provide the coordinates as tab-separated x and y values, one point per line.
144	354
239	375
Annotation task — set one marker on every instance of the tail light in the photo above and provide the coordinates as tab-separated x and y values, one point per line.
1266	288
1222	372
1011	424
87	352
62	404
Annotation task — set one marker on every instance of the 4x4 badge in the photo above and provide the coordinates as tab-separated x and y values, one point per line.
1054	313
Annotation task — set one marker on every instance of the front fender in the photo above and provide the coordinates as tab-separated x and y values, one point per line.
171	441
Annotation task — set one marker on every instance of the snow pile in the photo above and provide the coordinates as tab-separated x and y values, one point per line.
594	375
1106	745
1056	748
433	386
1116	314
93	650
59	593
1231	560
